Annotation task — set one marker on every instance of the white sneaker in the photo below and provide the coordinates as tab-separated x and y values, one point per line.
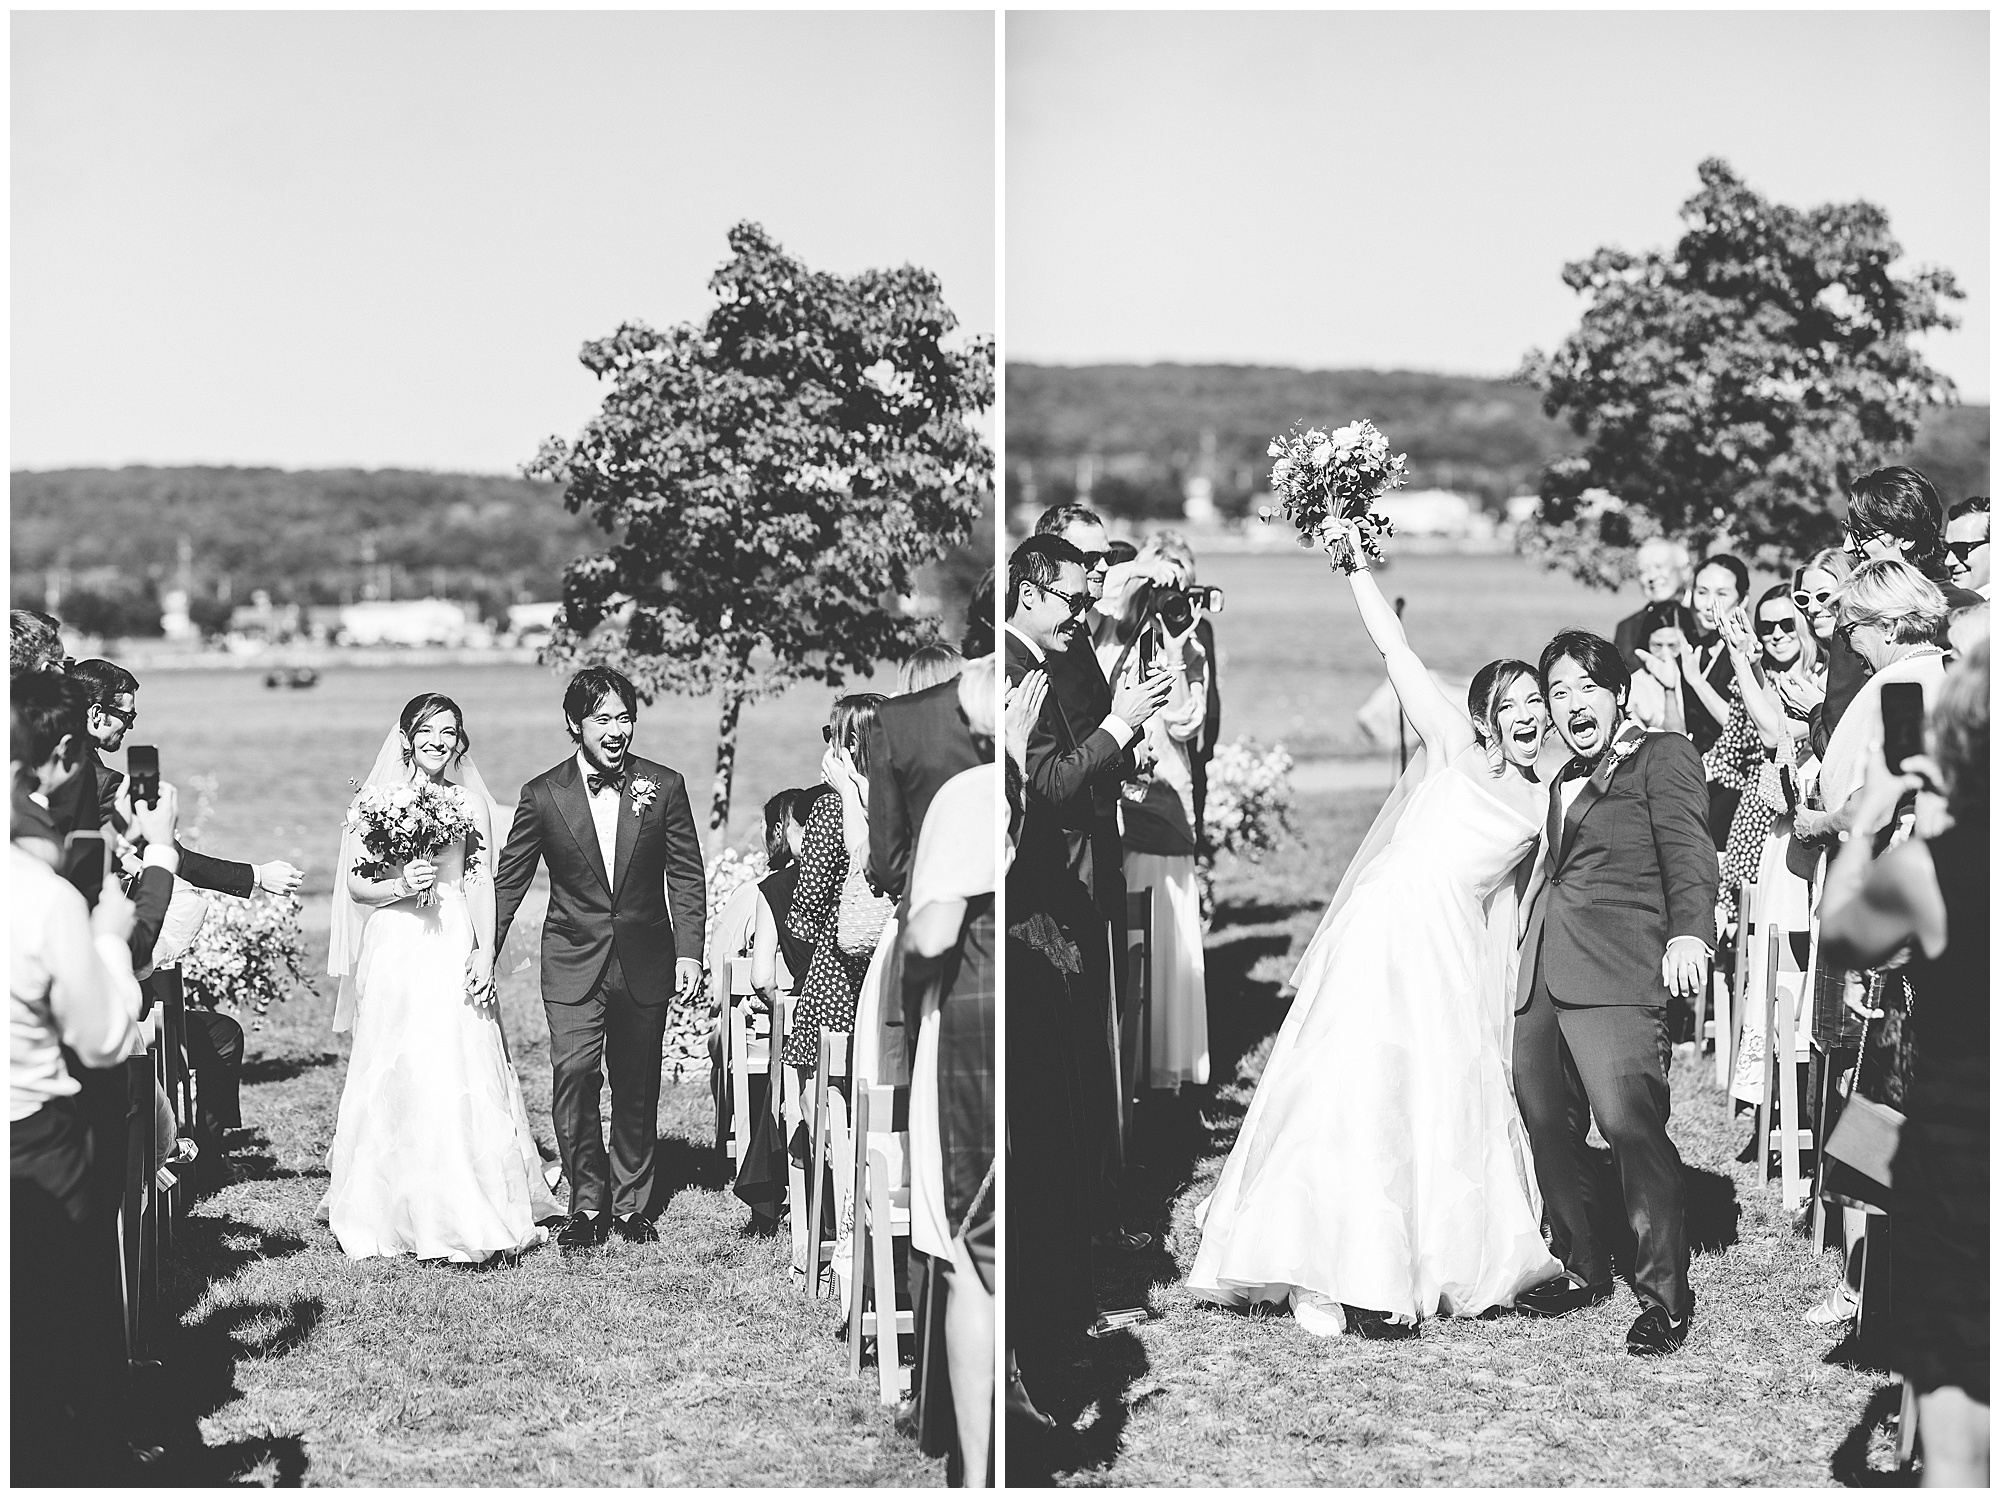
1839	1306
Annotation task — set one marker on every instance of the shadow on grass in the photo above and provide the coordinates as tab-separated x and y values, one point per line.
1850	1466
199	1357
251	1157
681	1164
261	1070
1083	1384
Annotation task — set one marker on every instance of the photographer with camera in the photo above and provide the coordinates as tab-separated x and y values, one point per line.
1156	612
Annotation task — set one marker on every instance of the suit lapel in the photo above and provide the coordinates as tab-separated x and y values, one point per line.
629	817
575	807
1624	744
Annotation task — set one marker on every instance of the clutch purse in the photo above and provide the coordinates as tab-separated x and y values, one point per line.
862	914
1865	1139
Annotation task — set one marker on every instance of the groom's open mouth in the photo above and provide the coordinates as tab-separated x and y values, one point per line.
1583	726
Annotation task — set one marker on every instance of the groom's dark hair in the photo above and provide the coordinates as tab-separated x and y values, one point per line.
1599	658
591	686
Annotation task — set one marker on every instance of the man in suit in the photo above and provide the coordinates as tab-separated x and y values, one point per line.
1721	583
917	743
620	842
1665	571
1623	915
1077	758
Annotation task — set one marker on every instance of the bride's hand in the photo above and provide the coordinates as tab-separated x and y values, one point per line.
479	974
419	874
1341	540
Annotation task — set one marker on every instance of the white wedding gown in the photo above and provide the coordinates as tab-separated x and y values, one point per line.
431	1155
1383	1162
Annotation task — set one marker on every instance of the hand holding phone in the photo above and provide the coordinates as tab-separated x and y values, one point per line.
87	862
142	772
1902	723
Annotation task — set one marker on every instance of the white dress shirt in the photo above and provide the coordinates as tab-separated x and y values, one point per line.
1114	725
67	986
603	812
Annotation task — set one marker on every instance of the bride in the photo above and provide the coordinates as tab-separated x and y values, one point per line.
1382	1174
431	1155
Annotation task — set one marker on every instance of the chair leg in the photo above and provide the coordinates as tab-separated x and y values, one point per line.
888	1345
1906	1428
857	1242
816	1256
1725	1032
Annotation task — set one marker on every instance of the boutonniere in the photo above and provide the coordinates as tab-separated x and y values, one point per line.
1630	737
643	792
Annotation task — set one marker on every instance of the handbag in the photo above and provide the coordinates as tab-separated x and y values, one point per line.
1865	1137
862	914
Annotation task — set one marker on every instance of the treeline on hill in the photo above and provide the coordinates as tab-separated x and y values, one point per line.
303	537
308	537
1145	429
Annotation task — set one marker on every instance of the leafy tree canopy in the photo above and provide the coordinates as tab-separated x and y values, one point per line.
1728	391
772	479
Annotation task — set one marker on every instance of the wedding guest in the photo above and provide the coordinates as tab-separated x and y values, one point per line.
1890	617
1721	583
35	643
1076	760
1815	586
1154	624
950	940
1658	698
926	667
1893	514
830	909
1968	558
113	709
1665	572
1933	894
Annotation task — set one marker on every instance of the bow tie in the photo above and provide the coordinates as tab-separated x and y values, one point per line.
1581	769
597	783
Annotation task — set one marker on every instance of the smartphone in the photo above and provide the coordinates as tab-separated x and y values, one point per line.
142	765
86	858
1902	722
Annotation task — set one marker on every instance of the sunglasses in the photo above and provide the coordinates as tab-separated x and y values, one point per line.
127	716
1777	627
1805	600
826	733
1963	550
1076	602
1092	560
1845	632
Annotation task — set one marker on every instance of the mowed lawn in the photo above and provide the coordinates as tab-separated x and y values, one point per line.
693	1361
1201	1396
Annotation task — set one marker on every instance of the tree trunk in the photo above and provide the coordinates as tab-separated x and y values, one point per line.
725	766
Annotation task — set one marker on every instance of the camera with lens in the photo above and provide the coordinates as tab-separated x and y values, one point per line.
1176	606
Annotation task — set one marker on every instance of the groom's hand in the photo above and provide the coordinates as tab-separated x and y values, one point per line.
687	977
1685	967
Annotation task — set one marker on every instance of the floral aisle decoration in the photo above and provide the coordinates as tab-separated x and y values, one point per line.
249	953
689	1022
1249	807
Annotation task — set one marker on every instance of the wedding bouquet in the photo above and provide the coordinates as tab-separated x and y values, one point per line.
1338	475
398	823
250	952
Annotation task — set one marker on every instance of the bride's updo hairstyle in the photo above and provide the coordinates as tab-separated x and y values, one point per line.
1490	686
418	710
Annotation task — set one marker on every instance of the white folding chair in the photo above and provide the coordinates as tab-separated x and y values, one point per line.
881	1215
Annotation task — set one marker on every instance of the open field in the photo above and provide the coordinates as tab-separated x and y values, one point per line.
1201	1396
692	1361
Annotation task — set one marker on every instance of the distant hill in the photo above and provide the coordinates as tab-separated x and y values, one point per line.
1145	427
305	537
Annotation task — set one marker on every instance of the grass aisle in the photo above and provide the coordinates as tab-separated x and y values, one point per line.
1201	1396
690	1361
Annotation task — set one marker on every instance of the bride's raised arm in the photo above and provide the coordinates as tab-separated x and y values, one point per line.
1438	721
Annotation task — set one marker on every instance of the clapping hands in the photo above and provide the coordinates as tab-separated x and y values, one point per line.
1024	711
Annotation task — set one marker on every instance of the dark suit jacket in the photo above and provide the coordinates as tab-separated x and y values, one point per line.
592	913
1702	728
1075	767
1631	634
75	807
918	743
1634	869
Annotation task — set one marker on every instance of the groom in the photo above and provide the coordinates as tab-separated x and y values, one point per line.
1624	915
621	846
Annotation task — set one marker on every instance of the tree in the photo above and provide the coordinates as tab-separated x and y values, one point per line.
1729	390
772	480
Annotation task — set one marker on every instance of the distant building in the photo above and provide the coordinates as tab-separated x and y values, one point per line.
532	623
1435	512
412	621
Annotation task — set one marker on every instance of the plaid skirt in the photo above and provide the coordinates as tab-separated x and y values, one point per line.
967	1098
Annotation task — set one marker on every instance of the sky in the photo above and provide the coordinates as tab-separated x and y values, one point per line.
1401	190
375	240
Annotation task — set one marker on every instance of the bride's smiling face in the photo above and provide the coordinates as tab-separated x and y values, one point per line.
1520	720
434	743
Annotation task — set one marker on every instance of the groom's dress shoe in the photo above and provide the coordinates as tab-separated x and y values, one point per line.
1558	1297
1377	1326
1655	1333
636	1229
584	1230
